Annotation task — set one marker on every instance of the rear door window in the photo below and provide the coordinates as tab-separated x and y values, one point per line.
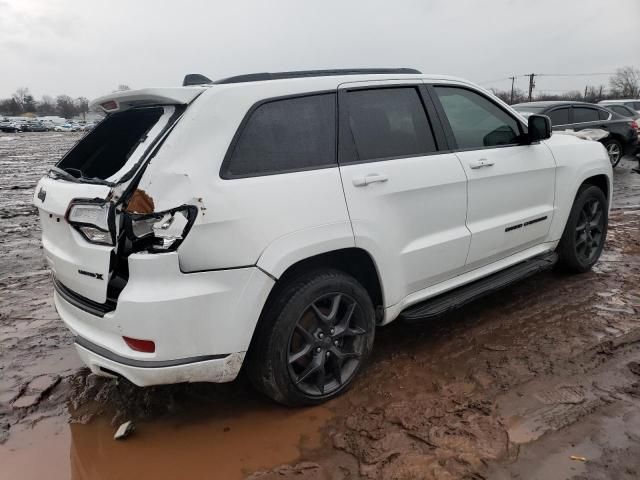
585	114
389	123
476	121
559	116
284	136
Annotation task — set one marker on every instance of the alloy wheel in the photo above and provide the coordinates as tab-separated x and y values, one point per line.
589	230
327	344
614	151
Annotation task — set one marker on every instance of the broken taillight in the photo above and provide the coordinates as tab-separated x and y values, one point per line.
92	221
162	231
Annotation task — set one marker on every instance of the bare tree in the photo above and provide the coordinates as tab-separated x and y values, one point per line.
82	104
122	87
47	106
66	107
19	97
626	82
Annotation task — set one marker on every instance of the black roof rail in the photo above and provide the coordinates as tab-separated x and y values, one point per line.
197	79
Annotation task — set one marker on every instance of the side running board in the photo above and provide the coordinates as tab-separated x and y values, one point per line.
460	296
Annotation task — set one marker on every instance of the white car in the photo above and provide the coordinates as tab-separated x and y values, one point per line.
281	219
67	127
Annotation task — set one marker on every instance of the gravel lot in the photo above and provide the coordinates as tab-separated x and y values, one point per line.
540	380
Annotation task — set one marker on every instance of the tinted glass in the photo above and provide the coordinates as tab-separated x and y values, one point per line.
475	120
626	111
603	114
636	106
559	116
584	114
286	135
389	122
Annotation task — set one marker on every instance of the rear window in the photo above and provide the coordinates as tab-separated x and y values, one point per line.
603	114
389	122
106	149
285	135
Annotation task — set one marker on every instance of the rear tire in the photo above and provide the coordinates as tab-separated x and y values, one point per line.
313	339
614	150
586	230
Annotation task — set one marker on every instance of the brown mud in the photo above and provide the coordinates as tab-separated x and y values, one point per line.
512	386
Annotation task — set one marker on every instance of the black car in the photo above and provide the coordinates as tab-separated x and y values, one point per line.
623	131
35	126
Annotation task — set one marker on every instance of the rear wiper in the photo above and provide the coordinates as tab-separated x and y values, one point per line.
69	174
65	174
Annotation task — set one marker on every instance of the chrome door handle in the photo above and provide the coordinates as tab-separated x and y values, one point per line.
368	179
483	162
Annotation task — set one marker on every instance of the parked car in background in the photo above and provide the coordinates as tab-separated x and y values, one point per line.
35	126
623	131
629	102
87	127
67	127
623	110
325	205
11	126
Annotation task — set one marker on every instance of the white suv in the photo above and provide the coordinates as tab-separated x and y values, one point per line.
281	218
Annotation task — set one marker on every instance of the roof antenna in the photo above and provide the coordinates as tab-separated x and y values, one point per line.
195	79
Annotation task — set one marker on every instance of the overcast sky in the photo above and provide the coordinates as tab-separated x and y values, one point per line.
88	47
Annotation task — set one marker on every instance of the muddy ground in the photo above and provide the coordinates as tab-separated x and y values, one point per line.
541	380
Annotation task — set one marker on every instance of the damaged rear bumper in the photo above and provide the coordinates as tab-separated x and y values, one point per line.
206	368
201	323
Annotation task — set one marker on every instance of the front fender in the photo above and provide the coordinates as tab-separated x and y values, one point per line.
577	161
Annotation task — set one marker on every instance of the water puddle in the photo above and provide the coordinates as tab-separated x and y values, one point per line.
226	446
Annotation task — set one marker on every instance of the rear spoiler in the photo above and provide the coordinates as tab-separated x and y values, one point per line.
124	100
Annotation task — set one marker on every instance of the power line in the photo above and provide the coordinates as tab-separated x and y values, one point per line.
593	74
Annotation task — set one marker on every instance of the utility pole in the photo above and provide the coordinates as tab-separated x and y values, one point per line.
531	85
585	92
600	94
513	80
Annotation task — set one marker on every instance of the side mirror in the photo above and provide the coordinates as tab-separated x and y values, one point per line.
539	127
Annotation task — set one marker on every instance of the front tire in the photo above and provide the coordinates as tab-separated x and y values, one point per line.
614	150
586	230
315	336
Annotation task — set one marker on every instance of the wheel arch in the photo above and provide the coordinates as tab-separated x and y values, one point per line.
354	261
601	181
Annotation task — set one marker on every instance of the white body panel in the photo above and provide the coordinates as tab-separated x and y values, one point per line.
517	186
433	225
413	224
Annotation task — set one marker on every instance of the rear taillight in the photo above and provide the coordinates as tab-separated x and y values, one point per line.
146	346
92	220
159	232
634	125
